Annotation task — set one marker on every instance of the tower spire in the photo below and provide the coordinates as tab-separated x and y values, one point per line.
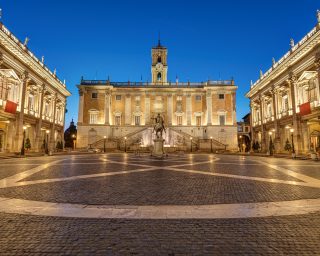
159	42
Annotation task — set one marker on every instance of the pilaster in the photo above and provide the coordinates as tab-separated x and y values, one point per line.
147	109
127	110
189	109
107	109
81	103
209	107
169	109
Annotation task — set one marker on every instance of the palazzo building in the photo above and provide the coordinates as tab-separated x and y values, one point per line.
196	115
285	101
32	98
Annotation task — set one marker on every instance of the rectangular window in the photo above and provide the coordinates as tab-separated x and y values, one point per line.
94	95
198	120
222	119
117	120
179	120
118	97
179	98
221	96
198	97
137	120
31	101
93	118
246	129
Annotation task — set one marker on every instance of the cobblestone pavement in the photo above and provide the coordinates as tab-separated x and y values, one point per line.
96	182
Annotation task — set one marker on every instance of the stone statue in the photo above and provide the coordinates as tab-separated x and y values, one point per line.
159	126
318	16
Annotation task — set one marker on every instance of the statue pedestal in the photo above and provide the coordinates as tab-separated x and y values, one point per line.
158	148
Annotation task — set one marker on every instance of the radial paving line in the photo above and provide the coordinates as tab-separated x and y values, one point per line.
241	177
307	179
12	180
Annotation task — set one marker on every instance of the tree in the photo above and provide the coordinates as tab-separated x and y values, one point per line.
27	144
287	146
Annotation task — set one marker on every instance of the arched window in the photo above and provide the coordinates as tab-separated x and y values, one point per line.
159	76
159	59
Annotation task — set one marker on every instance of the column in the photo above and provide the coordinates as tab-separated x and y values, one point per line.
209	108
107	109
38	133
277	144
189	109
169	109
19	126
81	103
147	109
295	117
52	139
127	110
263	135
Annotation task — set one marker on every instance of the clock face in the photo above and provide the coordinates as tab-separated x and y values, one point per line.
159	67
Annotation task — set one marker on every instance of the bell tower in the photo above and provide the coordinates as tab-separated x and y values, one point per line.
159	66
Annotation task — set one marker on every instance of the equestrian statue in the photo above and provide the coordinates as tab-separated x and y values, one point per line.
159	126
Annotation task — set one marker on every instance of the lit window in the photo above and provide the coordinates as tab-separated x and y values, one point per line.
179	120
118	97
221	96
93	118
159	76
30	102
137	120
179	98
94	95
198	97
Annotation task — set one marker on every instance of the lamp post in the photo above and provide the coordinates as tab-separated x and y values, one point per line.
24	136
293	151
104	144
125	144
211	144
190	144
47	142
270	143
240	143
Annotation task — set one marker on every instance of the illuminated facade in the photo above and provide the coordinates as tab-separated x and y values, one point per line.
32	98
194	113
285	101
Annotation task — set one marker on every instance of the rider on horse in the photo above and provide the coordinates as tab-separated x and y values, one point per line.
159	126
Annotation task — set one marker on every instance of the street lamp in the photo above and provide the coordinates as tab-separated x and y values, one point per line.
190	144
24	136
211	144
293	151
125	144
240	143
104	144
47	142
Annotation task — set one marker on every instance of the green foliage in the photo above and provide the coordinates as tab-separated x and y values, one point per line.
27	144
287	146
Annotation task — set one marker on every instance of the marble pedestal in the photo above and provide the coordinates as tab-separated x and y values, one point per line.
158	148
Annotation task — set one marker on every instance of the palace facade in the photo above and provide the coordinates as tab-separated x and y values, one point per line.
285	101
120	114
32	98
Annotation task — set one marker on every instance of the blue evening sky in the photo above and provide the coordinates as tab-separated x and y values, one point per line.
205	39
